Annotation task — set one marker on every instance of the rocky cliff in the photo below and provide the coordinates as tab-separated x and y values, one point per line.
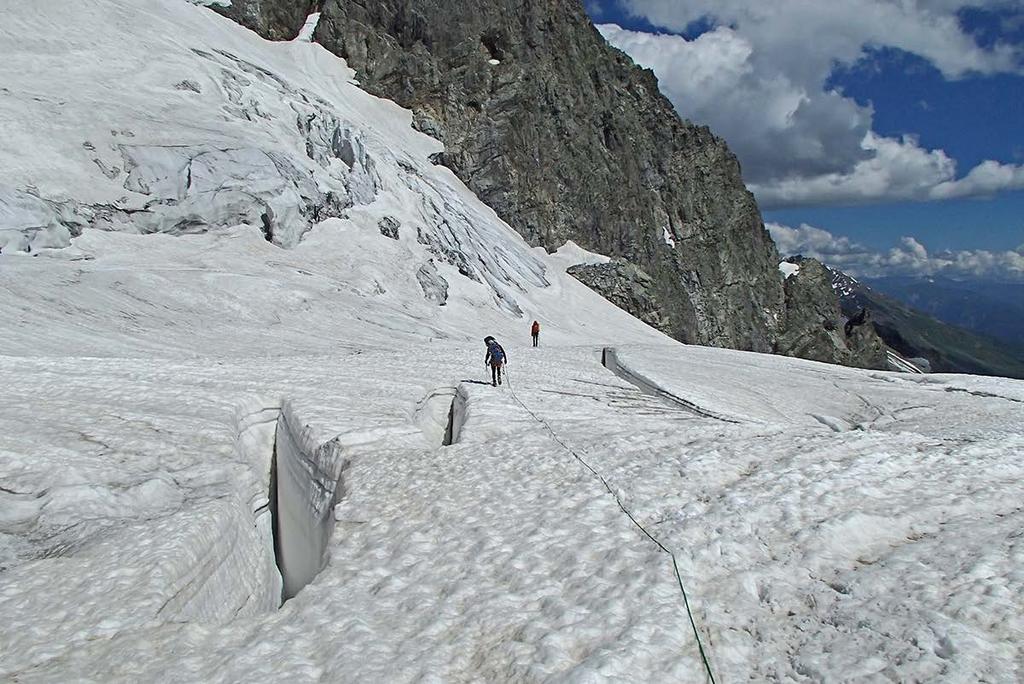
272	19
932	344
625	286
815	328
566	138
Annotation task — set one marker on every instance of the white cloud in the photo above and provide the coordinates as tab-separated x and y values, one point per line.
595	8
812	242
986	178
758	78
804	38
895	169
776	126
910	257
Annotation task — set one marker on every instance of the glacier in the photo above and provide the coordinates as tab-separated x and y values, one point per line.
241	362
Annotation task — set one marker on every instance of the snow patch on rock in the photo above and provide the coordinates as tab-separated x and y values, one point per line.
309	28
572	254
667	237
788	269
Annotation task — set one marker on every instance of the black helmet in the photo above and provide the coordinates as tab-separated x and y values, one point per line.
488	339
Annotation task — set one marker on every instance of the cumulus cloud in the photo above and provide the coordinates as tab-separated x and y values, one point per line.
895	170
986	178
758	78
594	8
804	39
776	126
910	257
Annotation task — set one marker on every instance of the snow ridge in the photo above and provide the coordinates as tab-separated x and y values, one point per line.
610	360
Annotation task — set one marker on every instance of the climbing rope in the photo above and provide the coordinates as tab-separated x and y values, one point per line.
622	507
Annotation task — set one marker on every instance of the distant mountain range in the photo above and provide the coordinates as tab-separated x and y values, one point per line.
991	308
916	331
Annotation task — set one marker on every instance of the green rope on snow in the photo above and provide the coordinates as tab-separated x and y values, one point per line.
622	507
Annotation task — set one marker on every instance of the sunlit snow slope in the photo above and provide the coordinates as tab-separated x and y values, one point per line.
220	256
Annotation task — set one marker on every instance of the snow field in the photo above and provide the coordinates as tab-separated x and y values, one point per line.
847	525
480	549
803	549
894	539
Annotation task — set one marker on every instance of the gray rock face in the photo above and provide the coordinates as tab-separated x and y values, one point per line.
866	347
272	19
814	327
388	226
625	286
567	139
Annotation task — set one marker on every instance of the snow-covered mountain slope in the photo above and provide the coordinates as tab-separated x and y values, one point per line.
191	125
168	399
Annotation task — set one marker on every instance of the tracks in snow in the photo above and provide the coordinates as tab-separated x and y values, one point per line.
608	357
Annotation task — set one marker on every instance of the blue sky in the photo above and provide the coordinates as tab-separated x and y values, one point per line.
887	136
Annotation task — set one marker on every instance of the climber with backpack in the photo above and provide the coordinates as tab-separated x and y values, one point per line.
535	332
495	358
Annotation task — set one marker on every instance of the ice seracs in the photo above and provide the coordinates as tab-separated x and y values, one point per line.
272	136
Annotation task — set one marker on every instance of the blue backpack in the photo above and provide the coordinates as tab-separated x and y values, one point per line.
496	352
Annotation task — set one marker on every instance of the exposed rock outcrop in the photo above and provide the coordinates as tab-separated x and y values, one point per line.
388	226
815	328
625	286
567	139
272	19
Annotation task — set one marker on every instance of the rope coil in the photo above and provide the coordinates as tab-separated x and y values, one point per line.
622	507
